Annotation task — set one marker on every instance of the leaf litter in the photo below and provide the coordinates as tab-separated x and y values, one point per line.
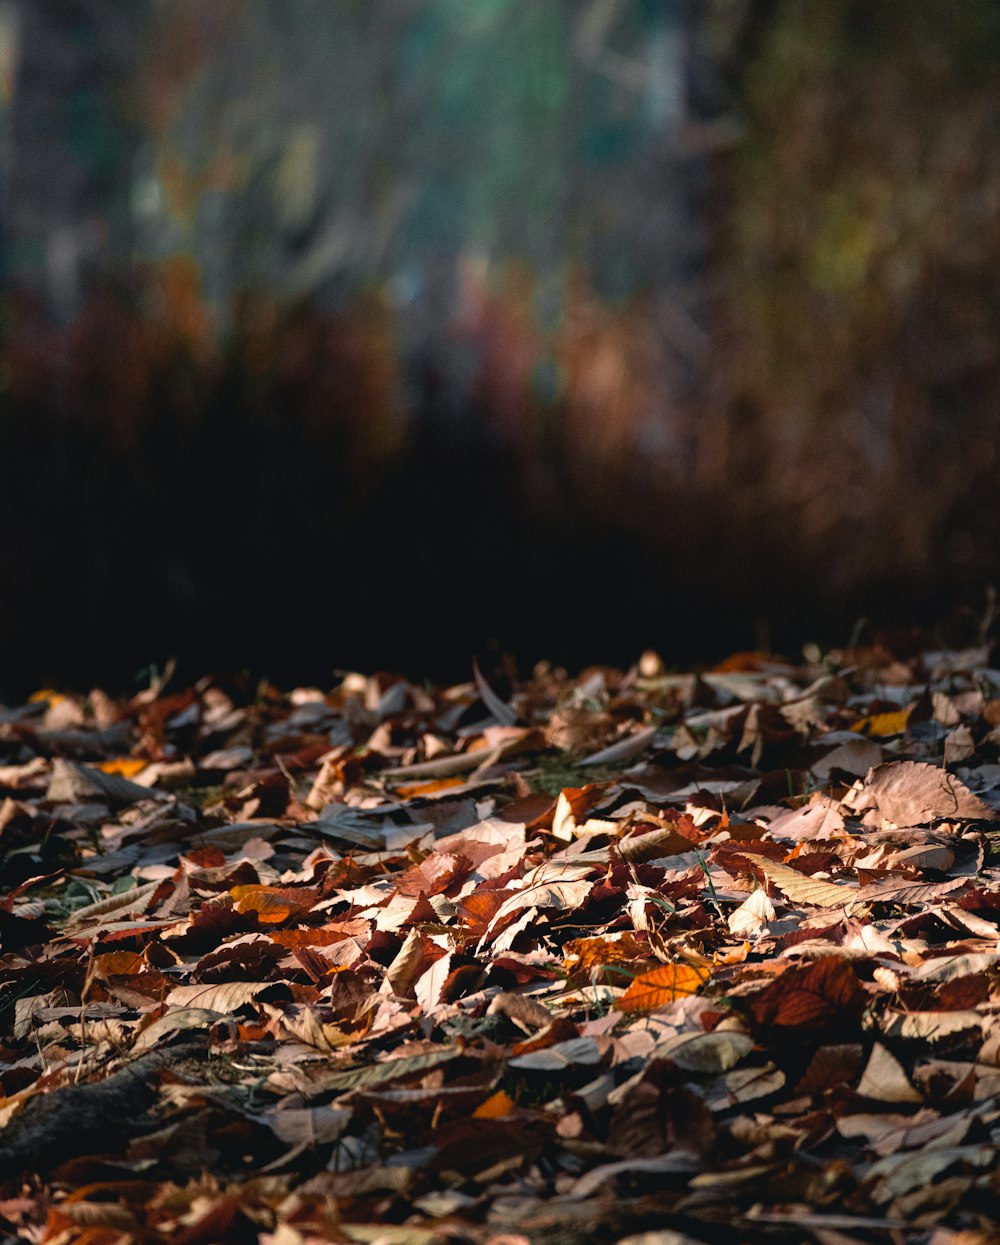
632	956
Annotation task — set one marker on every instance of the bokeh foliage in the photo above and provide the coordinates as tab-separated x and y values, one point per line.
658	322
860	361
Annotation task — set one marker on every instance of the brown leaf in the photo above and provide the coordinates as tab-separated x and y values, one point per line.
913	793
659	1113
815	998
524	1011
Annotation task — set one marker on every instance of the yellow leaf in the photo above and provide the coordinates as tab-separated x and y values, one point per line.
662	986
495	1107
128	767
882	724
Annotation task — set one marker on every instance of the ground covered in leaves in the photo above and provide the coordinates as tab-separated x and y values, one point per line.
647	956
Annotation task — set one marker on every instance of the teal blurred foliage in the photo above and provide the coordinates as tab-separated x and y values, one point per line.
342	332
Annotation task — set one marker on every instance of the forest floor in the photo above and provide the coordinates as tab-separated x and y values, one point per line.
644	956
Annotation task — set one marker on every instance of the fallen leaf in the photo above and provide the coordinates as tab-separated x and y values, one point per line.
224	997
661	986
884	1078
913	793
752	916
883	724
496	1107
818	997
272	904
801	889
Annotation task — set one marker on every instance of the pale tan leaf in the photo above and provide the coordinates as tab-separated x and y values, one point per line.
225	997
899	1173
913	793
744	1085
560	1057
525	1012
855	756
622	749
801	889
402	972
706	1052
559	895
175	1020
73	783
884	1078
929	1026
308	1125
131	901
389	1070
429	984
948	967
752	916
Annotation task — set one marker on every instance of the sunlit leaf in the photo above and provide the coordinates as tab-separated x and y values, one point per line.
127	767
293	938
389	1070
883	724
119	963
45	694
587	957
800	888
495	1107
428	788
226	997
273	904
662	986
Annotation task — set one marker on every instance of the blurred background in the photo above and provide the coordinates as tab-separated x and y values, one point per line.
380	333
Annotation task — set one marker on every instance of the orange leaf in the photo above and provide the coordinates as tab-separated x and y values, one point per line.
429	788
585	956
495	1107
479	908
743	663
662	986
45	693
273	904
119	963
128	767
433	876
295	938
